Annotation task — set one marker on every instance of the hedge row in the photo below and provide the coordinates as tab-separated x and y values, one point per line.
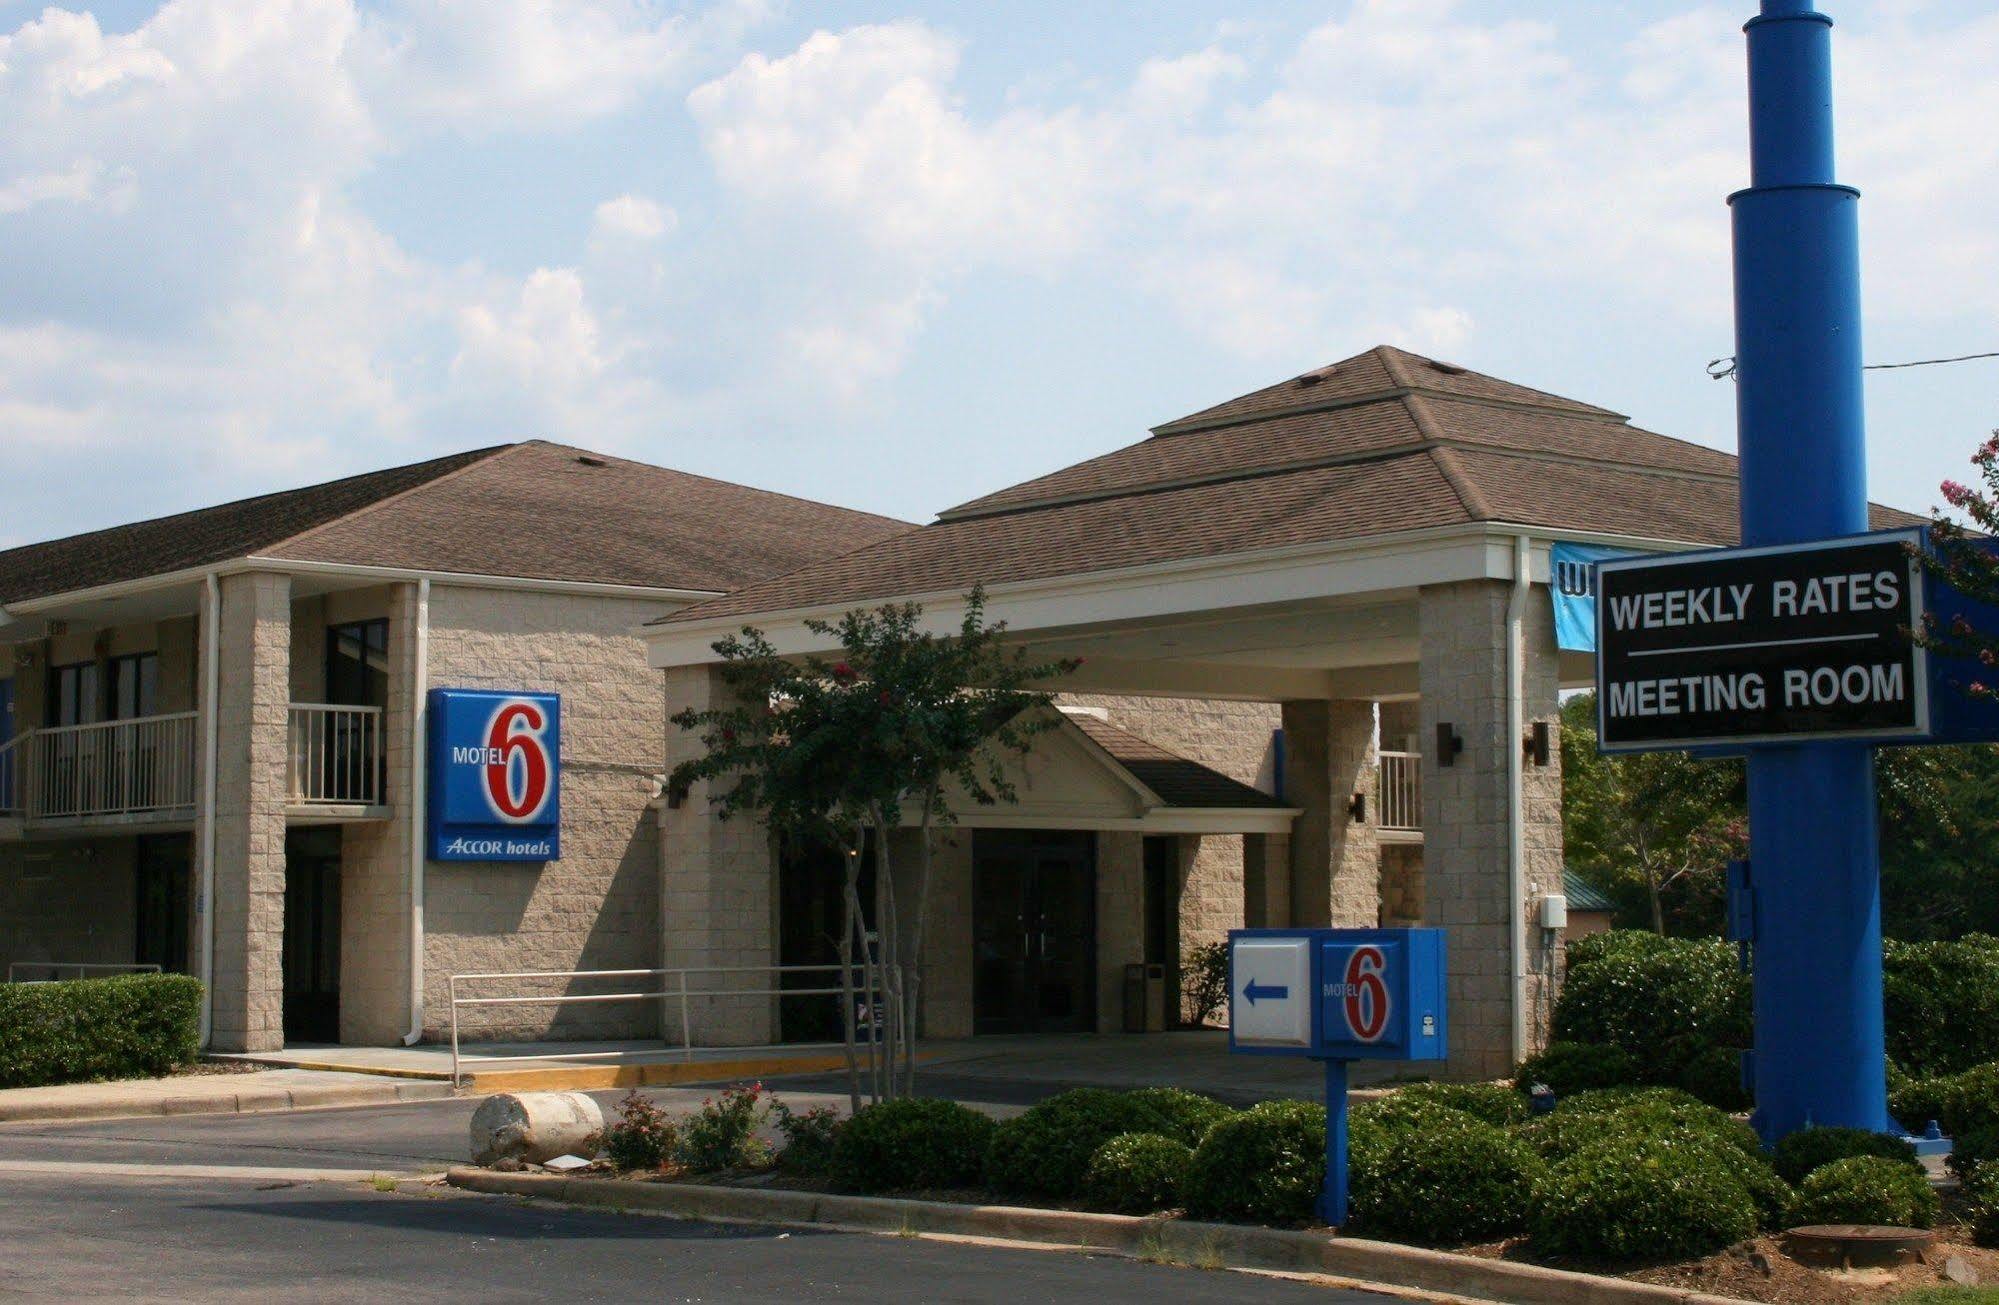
130	1026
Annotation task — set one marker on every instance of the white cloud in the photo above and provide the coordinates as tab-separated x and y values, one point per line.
633	217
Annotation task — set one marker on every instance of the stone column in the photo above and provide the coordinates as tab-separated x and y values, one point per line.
1266	881
1335	860
718	900
1120	920
1465	812
254	649
947	944
375	868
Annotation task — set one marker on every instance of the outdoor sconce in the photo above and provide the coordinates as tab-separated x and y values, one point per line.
676	796
1536	743
1357	808
1449	744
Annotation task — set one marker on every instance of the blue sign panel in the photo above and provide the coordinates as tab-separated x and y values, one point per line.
1572	586
495	776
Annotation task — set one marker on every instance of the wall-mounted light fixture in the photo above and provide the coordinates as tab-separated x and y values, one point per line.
676	795
1357	808
1449	744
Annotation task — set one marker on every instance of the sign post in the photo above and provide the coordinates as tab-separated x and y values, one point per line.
1337	996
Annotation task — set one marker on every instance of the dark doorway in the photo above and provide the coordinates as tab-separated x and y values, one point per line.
160	929
1162	915
1034	931
312	935
810	885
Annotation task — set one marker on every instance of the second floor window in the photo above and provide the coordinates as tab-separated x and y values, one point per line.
133	686
118	688
357	664
73	693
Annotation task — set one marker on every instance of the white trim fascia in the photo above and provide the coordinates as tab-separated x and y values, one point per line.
1409	559
383	574
1165	820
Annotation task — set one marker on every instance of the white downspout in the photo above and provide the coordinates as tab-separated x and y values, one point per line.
211	679
419	777
1516	730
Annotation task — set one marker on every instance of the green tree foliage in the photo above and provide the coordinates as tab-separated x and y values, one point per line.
825	748
1655	831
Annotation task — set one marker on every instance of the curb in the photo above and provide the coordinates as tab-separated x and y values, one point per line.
580	1078
251	1101
1234	1246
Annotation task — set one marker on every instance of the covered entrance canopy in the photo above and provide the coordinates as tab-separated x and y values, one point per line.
1372	532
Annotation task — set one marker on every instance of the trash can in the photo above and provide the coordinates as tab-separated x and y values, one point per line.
1136	994
1155	999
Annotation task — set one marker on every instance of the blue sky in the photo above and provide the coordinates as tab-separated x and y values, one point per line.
898	255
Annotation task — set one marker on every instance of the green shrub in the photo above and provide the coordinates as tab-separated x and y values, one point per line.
1399	1110
1047	1150
1263	1165
723	1133
1444	1186
1972	1149
1620	1201
1866	1189
1646	995
1941	1000
1981	1189
1714	1074
808	1138
1569	1068
1963	1103
130	1026
1490	1102
644	1135
1137	1173
1660	1114
1604	1101
1188	1114
911	1144
1614	945
1809	1148
1204	982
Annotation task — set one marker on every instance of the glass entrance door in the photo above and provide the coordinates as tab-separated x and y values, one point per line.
1034	928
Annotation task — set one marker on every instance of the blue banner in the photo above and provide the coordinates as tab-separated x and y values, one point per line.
495	776
1572	584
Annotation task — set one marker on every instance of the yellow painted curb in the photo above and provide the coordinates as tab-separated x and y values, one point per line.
584	1078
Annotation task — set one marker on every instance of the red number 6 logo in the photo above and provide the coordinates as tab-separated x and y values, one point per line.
517	779
1366	993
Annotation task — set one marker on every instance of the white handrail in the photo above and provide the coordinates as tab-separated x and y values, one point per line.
82	968
114	767
675	988
334	754
1400	790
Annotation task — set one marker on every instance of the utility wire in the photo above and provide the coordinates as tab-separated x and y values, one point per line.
1722	369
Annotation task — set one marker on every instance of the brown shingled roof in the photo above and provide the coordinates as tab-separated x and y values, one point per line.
1384	442
1179	781
532	510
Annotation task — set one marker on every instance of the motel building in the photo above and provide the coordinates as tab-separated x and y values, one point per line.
1320	687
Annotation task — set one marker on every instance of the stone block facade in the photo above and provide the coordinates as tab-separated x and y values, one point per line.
254	661
1465	812
1329	762
67	901
598	907
717	887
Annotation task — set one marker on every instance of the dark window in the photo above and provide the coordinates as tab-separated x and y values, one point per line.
160	933
134	686
1162	856
357	664
73	698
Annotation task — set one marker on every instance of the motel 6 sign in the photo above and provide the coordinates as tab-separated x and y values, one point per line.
1337	996
495	775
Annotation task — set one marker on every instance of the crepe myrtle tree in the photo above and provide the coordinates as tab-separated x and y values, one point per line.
827	749
1962	556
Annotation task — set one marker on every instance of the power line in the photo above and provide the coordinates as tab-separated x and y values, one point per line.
1722	369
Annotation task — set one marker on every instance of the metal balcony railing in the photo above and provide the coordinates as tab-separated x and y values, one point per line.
11	796
112	768
1401	790
336	755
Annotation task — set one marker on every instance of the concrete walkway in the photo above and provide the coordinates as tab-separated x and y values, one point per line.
210	1094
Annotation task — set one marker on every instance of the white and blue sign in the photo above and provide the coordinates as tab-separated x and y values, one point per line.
495	776
1337	996
1572	586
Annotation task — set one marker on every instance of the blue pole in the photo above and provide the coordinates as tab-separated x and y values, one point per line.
1815	860
1333	1194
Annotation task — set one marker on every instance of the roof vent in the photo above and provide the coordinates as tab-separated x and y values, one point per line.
589	461
1448	369
1313	378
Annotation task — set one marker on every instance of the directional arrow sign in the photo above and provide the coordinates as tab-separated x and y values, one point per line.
1260	991
1271	978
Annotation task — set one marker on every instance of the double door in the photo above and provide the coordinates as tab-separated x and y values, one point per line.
1034	928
